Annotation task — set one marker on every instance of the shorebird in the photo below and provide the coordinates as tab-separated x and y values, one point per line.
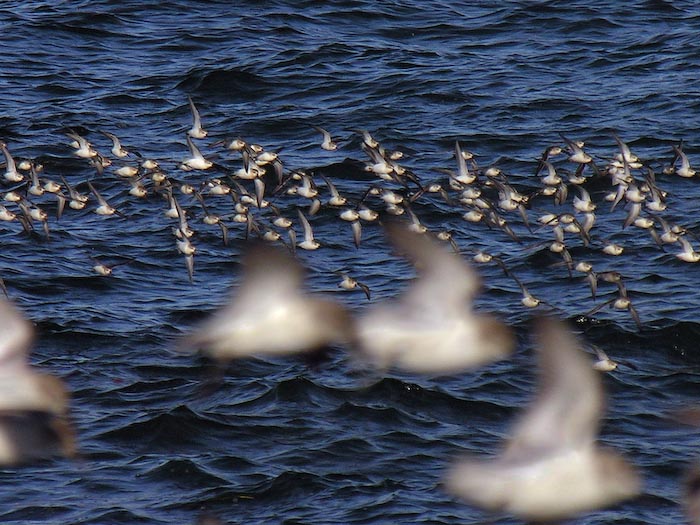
336	198
367	139
187	249
32	213
463	176
576	149
104	207
328	144
83	148
196	161
688	254
309	243
611	248
367	214
270	313
104	269
621	302
591	276
127	171
550	151
626	155
684	170
528	300
11	173
378	165
77	199
196	131
307	189
552	468
603	363
117	148
35	187
6	215
212	218
137	188
552	178
583	202
670	232
350	283
432	327
483	257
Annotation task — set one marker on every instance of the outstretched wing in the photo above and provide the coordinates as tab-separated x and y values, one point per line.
567	409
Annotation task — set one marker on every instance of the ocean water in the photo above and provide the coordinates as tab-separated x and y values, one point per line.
282	441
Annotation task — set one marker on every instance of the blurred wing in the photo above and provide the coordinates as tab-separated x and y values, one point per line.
570	401
445	280
271	280
16	333
482	483
270	274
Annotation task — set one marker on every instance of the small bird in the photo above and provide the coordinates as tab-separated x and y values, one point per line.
463	175
626	155
35	188
483	257
583	203
591	276
551	179
612	248
576	149
32	213
104	207
528	300
309	243
621	302
432	327
549	152
117	148
307	189
137	188
104	269
671	233
11	173
270	313
196	131
6	215
551	468
186	248
684	170
336	198
688	254
328	143
367	139
350	283
127	171
83	148
603	363
212	218
196	161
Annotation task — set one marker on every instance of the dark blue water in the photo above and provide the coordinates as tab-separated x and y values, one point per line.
282	442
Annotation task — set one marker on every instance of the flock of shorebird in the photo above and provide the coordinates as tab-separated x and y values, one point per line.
550	211
551	468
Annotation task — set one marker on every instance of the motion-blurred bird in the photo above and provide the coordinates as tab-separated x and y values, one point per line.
551	468
270	314
432	328
33	406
